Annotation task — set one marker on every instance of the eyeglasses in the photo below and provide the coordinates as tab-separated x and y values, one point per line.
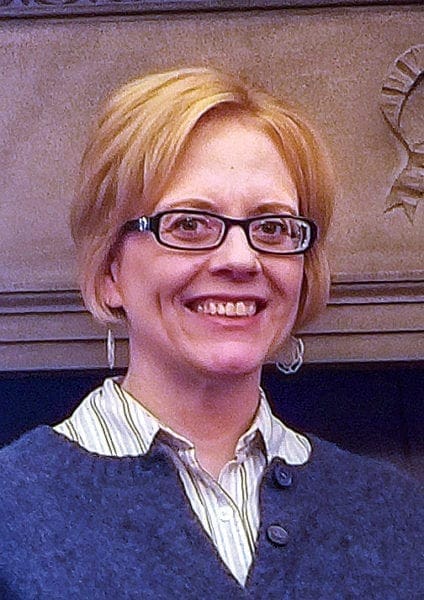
185	229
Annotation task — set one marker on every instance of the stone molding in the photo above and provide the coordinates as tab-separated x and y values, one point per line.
74	8
397	291
365	321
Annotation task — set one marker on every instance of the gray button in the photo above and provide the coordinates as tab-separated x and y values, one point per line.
277	535
282	477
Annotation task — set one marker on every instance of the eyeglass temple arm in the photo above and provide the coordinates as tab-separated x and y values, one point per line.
141	224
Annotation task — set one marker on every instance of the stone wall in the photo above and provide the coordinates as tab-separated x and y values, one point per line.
351	68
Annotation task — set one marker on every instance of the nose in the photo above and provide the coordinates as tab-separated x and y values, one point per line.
234	258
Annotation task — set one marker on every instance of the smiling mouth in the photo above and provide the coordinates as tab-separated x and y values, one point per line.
239	308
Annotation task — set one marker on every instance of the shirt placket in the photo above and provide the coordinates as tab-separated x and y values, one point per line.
225	522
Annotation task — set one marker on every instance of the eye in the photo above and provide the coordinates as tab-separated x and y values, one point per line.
187	224
277	234
270	229
192	228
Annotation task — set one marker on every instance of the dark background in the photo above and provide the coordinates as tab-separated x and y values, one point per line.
373	408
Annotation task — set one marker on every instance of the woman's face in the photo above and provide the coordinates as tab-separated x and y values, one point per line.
230	167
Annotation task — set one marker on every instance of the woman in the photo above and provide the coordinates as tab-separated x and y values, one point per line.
200	220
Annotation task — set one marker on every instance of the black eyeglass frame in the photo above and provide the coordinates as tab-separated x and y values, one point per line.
151	224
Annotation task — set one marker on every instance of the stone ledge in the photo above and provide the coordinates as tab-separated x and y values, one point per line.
365	322
12	9
342	292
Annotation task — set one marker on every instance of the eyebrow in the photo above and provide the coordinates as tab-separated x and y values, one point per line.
260	209
196	203
274	207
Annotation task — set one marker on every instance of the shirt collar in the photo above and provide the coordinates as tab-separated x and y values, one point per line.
266	432
278	440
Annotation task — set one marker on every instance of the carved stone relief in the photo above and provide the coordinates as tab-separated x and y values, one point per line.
403	107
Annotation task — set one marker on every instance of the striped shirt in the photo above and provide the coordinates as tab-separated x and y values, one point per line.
111	422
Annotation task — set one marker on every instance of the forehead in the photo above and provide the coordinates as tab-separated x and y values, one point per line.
230	159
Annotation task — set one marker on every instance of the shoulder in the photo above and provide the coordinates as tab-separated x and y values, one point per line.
29	472
31	446
352	470
46	464
366	514
365	492
31	461
27	449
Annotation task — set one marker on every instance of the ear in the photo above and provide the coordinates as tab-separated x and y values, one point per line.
111	287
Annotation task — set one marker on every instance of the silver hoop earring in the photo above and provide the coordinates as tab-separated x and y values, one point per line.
110	348
289	362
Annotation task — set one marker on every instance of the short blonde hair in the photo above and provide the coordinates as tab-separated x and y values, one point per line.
132	151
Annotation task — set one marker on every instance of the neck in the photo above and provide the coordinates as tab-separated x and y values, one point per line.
211	410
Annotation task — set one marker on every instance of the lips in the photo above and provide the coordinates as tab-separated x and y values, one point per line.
234	307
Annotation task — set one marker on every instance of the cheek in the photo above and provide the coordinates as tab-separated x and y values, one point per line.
289	288
161	279
299	279
289	280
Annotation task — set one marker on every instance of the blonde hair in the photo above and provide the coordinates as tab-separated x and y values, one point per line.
132	151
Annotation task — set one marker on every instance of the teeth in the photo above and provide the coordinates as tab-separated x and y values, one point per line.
221	308
246	308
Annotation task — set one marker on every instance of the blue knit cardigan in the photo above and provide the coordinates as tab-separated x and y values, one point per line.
80	526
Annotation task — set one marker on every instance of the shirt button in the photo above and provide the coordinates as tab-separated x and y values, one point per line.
225	513
277	535
282	478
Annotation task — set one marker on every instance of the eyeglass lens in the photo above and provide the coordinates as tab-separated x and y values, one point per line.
279	234
188	230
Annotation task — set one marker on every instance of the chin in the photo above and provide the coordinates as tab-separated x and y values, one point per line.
232	360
